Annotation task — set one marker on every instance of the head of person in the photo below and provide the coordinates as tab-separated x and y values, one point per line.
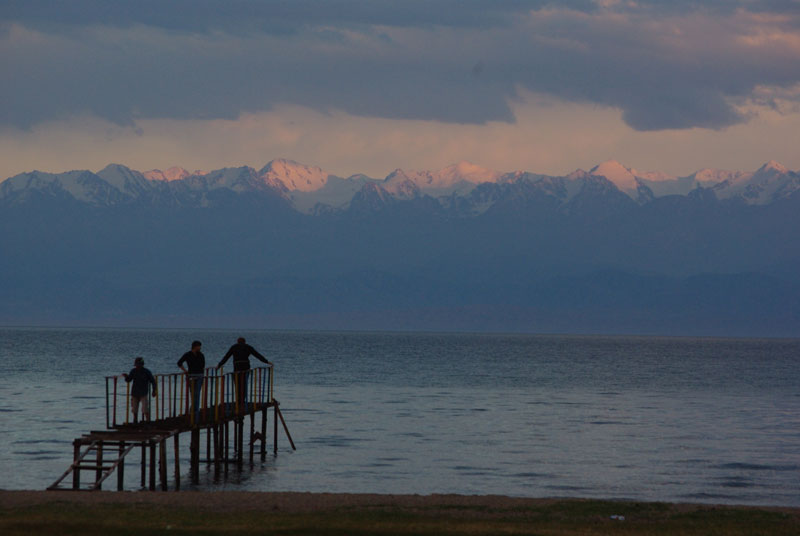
196	346
138	362
240	340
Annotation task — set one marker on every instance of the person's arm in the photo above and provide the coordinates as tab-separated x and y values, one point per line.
227	356
259	356
181	361
153	381
128	376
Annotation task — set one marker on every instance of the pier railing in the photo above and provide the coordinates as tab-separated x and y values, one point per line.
221	395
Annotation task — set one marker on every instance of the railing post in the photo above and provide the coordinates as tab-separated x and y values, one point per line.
115	401
183	399
216	397
272	384
107	426
203	395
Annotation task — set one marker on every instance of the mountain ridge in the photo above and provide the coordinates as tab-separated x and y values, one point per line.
312	190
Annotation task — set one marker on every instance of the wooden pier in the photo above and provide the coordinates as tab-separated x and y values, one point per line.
227	404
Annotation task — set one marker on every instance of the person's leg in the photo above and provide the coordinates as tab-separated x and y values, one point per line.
197	384
237	382
245	388
145	403
135	407
241	390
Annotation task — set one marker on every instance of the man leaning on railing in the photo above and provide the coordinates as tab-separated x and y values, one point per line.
241	352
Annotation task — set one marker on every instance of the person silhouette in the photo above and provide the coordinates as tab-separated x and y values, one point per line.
241	352
142	379
196	363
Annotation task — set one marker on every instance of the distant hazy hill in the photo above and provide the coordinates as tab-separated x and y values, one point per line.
608	250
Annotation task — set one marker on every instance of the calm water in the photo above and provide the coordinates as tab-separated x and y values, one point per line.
700	420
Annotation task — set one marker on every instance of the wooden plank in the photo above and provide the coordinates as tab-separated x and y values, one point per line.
285	428
99	472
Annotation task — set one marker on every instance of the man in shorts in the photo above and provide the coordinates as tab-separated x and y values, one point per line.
142	379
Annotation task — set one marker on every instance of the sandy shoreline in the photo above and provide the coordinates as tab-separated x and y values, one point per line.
297	502
256	500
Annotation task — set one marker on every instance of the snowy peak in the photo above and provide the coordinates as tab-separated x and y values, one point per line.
295	176
124	179
772	167
709	177
238	179
466	172
632	181
174	173
402	188
372	197
444	179
622	177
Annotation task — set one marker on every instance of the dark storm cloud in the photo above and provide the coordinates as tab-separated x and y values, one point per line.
275	15
664	64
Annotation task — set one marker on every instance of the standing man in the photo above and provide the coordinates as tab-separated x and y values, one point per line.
142	379
196	363
241	352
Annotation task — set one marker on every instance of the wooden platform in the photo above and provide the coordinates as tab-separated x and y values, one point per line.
103	452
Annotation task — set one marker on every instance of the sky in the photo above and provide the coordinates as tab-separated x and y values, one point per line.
367	86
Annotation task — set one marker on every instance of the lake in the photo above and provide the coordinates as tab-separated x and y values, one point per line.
646	418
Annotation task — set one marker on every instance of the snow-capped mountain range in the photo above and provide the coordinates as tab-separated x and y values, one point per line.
310	189
463	248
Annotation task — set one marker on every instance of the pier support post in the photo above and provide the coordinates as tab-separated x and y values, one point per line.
162	463
226	450
177	463
216	450
121	467
76	473
152	465
240	443
195	457
264	434
275	427
252	432
144	464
